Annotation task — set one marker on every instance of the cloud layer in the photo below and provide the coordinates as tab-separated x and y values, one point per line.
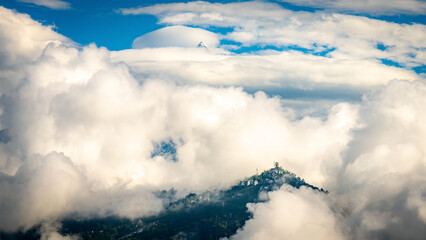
176	36
267	69
82	124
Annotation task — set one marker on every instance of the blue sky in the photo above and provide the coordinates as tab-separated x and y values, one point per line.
92	21
97	21
100	22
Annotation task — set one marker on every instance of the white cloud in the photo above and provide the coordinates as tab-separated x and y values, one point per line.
373	7
260	23
49	231
384	165
291	214
22	38
76	113
42	189
22	41
277	69
176	36
83	126
417	202
379	190
53	4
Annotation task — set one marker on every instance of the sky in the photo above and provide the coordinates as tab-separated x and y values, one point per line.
105	103
89	21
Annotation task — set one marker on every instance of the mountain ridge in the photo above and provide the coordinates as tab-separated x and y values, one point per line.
206	215
211	214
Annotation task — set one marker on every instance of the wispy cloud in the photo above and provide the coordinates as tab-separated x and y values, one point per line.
372	7
264	69
259	23
52	4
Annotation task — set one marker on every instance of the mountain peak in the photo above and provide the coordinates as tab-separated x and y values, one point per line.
201	45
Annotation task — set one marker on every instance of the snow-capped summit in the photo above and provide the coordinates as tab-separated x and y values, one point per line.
201	45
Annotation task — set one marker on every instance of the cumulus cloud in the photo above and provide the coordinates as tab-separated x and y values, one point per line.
22	41
41	189
22	38
260	23
81	139
53	4
382	183
291	214
82	125
373	7
176	36
82	130
379	191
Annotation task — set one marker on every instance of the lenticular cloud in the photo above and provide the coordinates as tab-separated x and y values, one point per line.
176	36
78	132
